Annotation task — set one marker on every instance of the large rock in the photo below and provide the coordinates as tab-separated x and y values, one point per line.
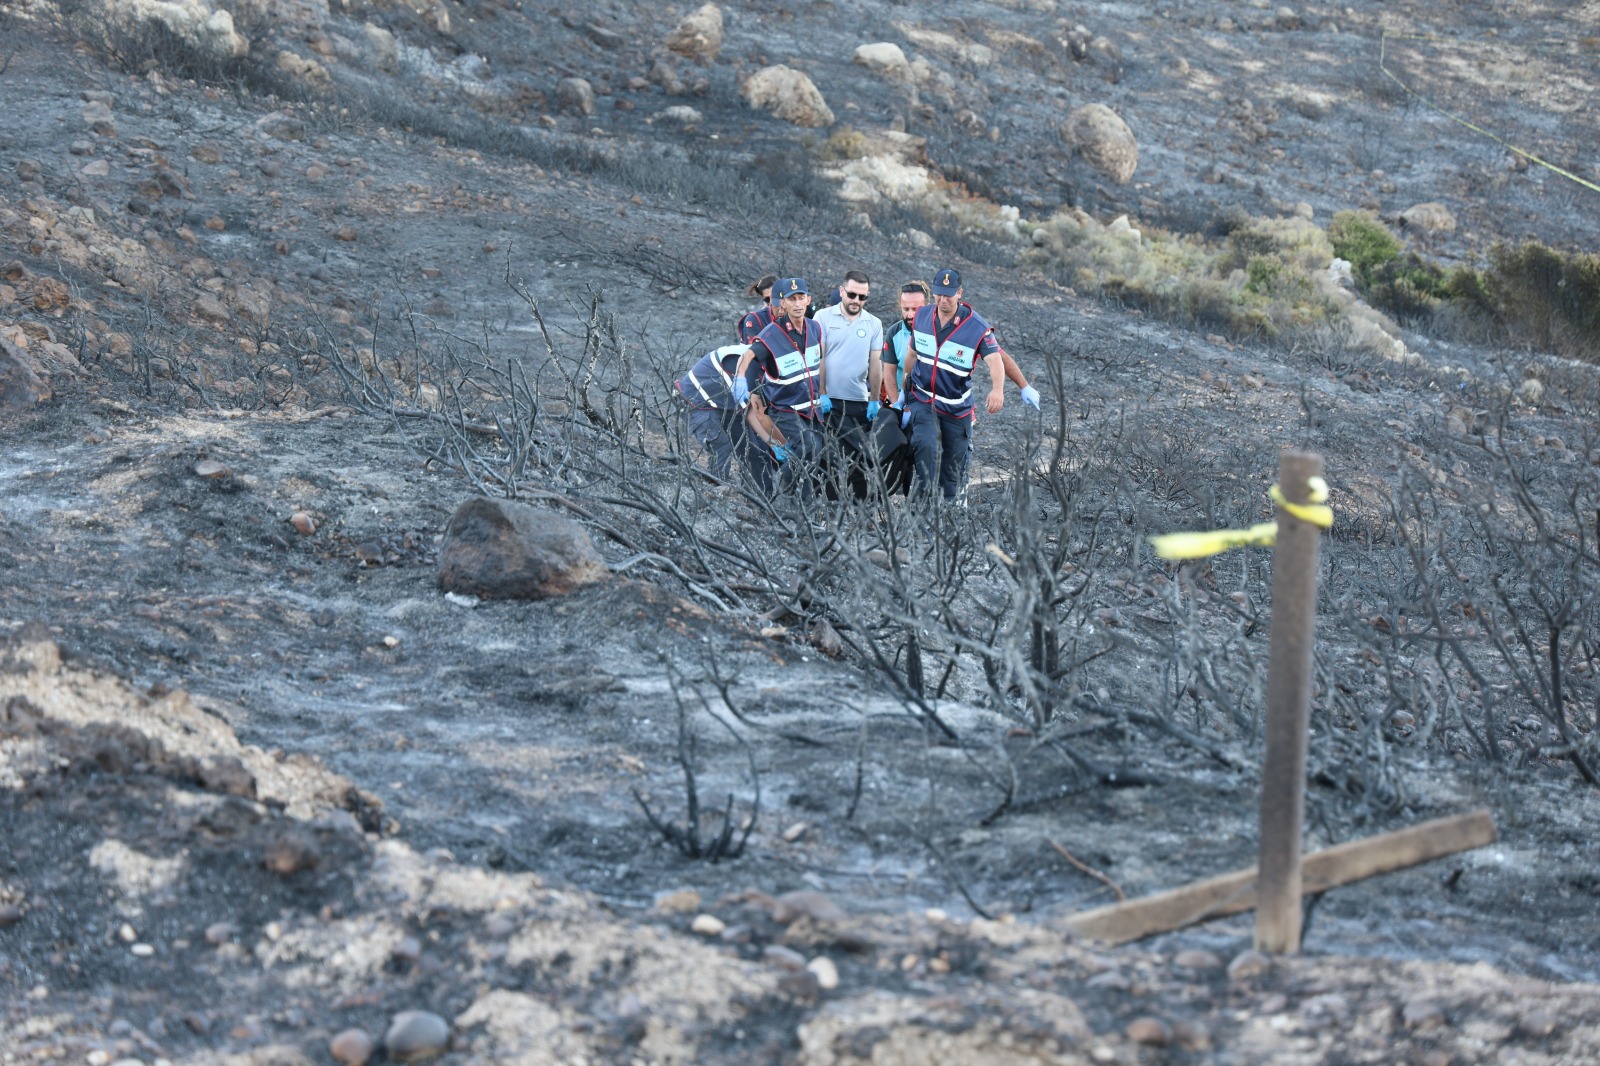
789	95
699	36
1431	217
504	550
886	58
20	386
1104	140
575	94
209	30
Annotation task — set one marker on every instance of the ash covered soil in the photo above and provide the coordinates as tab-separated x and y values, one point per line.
260	787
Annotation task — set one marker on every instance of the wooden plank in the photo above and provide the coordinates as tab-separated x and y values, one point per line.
1283	770
1235	892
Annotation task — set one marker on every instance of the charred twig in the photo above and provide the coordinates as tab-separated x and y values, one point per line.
1090	870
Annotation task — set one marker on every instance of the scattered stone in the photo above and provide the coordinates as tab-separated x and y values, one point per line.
406	951
575	94
1536	1024
346	233
663	75
681	115
1248	964
303	523
270	167
1151	1032
826	972
783	958
416	1036
699	35
10	914
795	832
826	639
886	58
792	906
97	116
1422	1015
1197	959
678	901
1431	217
501	549
291	852
99	168
219	933
316	172
206	153
790	95
1098	134
1191	1034
707	925
1115	980
210	308
605	38
353	1047
802	985
211	469
1531	391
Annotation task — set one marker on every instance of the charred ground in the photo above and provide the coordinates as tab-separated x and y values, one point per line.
481	760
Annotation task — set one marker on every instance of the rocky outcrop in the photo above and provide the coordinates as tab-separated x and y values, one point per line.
1099	135
504	550
789	95
211	31
699	36
886	58
20	387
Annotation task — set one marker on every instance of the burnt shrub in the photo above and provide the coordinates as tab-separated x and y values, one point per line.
1551	298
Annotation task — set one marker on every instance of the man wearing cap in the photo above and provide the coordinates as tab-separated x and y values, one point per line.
852	345
789	352
947	340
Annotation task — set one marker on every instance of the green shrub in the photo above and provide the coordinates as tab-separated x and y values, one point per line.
1363	241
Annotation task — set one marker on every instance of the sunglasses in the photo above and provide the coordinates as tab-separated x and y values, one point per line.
848	295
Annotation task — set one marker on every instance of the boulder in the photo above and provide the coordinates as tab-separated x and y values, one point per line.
20	386
884	58
1104	140
698	36
501	549
211	31
576	94
789	95
1431	217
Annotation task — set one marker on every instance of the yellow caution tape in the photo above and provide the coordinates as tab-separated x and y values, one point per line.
1383	50
1199	545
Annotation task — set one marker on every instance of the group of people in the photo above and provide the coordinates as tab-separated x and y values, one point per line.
802	378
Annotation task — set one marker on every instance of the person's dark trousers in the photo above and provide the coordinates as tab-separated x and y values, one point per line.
941	446
847	431
721	434
803	441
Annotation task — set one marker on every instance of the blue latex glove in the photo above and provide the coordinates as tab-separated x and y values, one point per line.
900	404
824	404
741	391
905	419
873	407
1030	396
780	453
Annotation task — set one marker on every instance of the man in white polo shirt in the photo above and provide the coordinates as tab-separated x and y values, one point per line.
852	355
